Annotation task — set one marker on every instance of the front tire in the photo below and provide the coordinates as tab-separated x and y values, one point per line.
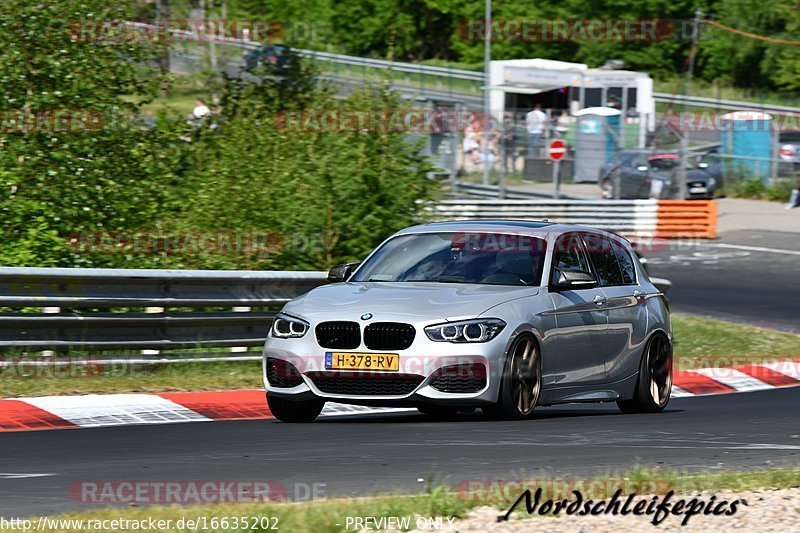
520	384
654	385
292	411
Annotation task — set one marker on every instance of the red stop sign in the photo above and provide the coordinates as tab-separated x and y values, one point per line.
557	150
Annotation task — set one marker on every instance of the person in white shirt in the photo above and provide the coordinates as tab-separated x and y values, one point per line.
562	125
470	145
200	110
536	123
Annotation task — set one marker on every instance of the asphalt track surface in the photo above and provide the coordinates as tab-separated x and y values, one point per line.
747	276
368	453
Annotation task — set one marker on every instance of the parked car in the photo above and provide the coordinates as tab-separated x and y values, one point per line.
497	315
276	55
652	174
789	150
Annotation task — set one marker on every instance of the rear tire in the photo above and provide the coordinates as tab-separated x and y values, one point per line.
292	411
520	384
654	385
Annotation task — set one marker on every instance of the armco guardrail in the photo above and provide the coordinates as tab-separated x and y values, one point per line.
77	325
687	218
99	287
493	191
77	292
641	218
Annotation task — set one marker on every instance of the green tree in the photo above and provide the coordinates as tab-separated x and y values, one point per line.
74	157
324	194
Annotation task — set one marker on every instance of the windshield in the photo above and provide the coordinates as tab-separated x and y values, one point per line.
664	163
457	257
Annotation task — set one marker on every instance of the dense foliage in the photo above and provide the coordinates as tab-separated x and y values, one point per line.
87	180
418	30
72	157
103	185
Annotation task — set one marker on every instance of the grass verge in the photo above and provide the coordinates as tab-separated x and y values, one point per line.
699	343
706	342
174	377
330	515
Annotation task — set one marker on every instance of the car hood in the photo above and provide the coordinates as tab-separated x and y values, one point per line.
426	301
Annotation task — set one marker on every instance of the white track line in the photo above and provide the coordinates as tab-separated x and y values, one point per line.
754	248
18	475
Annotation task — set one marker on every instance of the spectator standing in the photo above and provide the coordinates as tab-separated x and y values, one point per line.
200	110
562	125
508	140
470	145
536	123
794	199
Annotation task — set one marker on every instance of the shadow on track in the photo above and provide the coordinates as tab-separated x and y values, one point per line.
544	413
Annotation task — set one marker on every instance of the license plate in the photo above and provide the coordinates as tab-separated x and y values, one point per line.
695	190
388	362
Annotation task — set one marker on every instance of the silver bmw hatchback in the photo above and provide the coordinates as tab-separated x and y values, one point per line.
499	315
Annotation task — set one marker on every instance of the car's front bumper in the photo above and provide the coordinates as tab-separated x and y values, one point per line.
423	360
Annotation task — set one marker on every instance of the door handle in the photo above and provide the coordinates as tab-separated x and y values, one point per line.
599	300
638	294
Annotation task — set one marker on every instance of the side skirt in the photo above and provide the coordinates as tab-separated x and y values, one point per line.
606	392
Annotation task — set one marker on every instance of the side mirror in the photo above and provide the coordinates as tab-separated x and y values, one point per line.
574	280
642	168
341	273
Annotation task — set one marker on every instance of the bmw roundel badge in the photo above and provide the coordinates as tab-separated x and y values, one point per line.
366	316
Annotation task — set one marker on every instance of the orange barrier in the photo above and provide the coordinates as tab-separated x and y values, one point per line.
687	219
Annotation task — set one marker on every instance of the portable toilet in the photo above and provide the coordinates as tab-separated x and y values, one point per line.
746	136
597	139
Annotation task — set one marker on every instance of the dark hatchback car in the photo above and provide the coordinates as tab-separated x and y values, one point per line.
636	174
271	55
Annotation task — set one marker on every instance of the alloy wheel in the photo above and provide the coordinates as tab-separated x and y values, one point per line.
659	362
525	382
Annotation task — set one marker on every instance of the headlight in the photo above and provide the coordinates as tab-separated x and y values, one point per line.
712	182
478	330
288	327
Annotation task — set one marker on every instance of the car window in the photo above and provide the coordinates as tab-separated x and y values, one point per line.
639	161
626	159
625	262
662	163
457	257
569	254
604	260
